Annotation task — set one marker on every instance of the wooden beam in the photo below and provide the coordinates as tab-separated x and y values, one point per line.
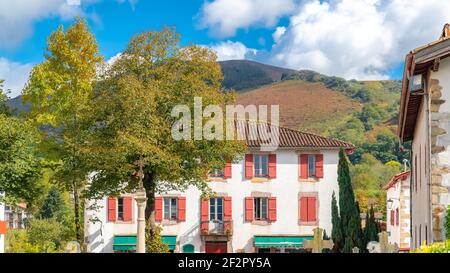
436	64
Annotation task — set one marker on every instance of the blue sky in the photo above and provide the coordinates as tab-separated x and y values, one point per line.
365	39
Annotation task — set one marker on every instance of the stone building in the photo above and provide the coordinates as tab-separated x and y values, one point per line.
425	120
398	224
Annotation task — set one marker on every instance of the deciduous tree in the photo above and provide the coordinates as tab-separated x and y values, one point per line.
133	119
60	91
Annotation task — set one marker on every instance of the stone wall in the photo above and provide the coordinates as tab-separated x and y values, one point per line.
440	143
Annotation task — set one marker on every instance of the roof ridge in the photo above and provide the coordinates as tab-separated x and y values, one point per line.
297	131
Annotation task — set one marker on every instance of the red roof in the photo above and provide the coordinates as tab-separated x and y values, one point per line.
395	179
258	134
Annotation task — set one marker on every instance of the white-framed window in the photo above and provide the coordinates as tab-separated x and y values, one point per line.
170	208
216	172
216	209
120	209
261	208
311	165
261	165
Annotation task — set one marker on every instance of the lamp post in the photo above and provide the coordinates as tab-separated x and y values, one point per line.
141	200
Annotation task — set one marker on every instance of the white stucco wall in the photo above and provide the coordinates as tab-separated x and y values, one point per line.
420	165
400	196
2	218
286	187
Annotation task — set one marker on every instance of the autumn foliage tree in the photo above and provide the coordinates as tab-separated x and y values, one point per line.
60	91
132	119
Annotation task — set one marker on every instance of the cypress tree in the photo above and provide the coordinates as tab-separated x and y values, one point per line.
336	233
350	219
371	226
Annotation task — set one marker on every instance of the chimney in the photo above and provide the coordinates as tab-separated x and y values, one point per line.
446	31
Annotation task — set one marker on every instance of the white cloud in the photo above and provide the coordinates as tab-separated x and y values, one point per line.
224	17
233	51
15	75
279	31
358	39
131	2
17	17
361	39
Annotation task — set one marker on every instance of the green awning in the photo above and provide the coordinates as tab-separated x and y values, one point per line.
280	241
171	241
124	243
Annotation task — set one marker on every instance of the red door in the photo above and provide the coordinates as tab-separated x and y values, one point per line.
216	247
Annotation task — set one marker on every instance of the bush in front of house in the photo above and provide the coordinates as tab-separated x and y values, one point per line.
443	247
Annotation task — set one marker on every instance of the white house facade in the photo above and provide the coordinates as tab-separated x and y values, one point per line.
398	210
266	202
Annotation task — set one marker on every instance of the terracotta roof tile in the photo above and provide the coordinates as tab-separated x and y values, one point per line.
258	134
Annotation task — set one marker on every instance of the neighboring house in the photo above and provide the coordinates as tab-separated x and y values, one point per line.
267	202
398	210
16	216
425	120
3	227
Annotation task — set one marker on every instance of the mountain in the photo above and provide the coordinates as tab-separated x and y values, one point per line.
243	75
17	106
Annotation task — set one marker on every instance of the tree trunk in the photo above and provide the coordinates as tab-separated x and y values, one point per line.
150	188
76	201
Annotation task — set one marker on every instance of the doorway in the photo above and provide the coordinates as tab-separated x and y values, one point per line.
216	247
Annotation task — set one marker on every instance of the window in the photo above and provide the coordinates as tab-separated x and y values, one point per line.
216	172
311	165
397	218
170	208
261	165
260	209
120	209
392	217
216	209
308	209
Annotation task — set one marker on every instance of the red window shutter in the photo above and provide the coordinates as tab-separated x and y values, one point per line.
272	209
204	212
227	212
397	218
319	166
127	209
112	209
3	227
303	209
248	166
303	166
272	166
227	170
181	209
312	212
248	209
392	217
158	209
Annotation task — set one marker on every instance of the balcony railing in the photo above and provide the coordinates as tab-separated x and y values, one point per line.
216	227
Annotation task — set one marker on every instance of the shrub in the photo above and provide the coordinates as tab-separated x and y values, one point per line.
45	234
447	223
443	247
17	242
